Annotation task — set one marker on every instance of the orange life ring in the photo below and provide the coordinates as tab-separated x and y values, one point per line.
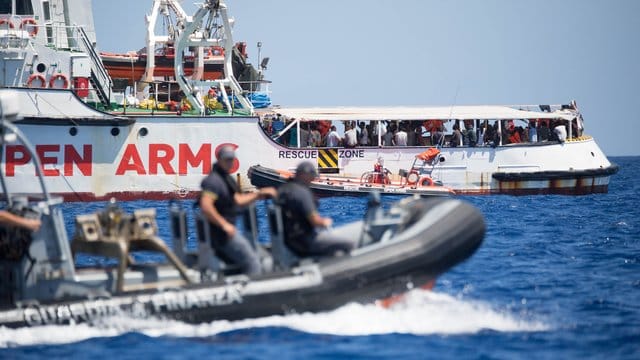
412	177
55	77
6	21
43	81
29	21
426	181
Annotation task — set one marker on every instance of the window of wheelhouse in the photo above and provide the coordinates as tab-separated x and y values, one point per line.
23	7
46	11
5	6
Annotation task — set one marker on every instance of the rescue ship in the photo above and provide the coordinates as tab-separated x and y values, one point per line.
103	132
403	247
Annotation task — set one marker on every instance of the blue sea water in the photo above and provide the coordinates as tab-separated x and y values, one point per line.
557	277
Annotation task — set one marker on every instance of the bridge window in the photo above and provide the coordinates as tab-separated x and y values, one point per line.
5	6
46	10
23	7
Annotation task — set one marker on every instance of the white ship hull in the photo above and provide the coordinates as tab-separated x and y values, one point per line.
90	155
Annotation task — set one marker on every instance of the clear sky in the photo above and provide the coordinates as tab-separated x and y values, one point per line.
435	52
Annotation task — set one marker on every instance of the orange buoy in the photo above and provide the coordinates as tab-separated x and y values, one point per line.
30	23
4	22
38	77
56	77
426	181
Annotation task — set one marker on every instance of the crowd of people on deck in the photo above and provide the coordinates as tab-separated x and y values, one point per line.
443	133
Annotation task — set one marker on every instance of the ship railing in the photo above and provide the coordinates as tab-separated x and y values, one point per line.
57	37
12	39
256	86
100	76
62	38
543	107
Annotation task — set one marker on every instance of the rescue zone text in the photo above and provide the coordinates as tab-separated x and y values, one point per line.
313	154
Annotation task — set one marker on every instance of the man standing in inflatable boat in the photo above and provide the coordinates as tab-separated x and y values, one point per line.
306	232
219	200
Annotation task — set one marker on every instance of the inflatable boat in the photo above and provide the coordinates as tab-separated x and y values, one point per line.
404	246
417	181
369	182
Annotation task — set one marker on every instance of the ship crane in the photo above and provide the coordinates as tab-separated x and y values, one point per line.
210	26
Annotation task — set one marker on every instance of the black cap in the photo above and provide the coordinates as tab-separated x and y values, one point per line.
306	167
226	152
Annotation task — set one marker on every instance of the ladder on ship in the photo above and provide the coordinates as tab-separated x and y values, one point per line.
100	79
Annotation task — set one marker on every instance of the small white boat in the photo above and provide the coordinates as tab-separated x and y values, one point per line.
415	181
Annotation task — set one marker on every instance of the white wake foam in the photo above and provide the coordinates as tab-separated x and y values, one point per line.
419	313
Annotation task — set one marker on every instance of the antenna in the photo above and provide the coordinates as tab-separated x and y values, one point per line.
263	64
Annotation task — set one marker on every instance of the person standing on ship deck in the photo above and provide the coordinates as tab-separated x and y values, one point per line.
315	139
469	137
350	137
218	201
379	128
363	135
333	138
456	136
533	132
400	137
543	132
387	138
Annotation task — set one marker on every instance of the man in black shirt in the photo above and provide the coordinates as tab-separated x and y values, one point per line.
543	132
302	220
219	201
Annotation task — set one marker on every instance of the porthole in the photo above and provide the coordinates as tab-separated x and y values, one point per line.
115	131
143	132
73	131
41	68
